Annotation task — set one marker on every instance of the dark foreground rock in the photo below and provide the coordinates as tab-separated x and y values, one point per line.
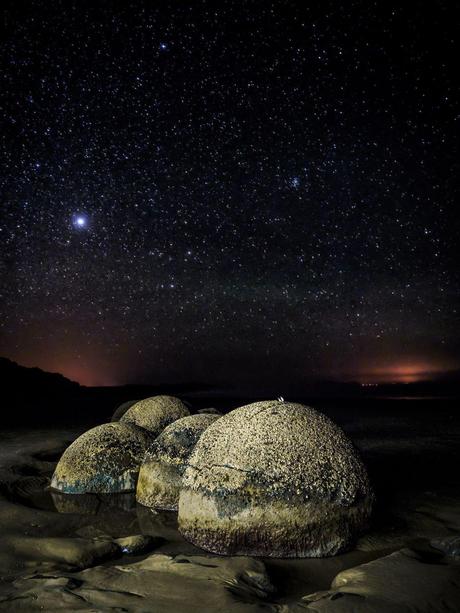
51	552
190	584
402	582
450	546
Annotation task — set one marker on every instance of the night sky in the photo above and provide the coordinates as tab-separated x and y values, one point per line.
248	193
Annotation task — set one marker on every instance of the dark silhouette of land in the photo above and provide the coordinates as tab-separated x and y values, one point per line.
33	396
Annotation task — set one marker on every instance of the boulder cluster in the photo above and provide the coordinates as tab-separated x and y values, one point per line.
270	478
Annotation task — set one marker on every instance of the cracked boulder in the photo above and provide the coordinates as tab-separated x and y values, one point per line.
155	413
274	479
160	476
105	459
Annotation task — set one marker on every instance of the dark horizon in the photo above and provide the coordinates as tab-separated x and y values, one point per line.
210	194
432	382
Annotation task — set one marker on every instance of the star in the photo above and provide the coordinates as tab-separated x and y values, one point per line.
229	185
79	221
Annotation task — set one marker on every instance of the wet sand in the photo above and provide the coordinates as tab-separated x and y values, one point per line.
59	552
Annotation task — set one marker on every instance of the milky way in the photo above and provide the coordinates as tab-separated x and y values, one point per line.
229	192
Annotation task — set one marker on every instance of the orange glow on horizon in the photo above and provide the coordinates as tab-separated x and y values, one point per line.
401	373
83	372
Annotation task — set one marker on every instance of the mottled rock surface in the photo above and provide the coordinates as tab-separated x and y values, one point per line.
160	476
274	479
104	459
155	413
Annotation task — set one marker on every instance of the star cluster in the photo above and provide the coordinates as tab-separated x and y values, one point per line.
229	191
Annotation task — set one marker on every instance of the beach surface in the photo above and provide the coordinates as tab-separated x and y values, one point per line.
105	553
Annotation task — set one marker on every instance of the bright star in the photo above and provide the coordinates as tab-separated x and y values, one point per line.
79	221
163	46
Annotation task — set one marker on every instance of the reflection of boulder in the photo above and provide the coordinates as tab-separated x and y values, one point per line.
93	504
274	479
121	410
155	413
158	523
84	504
105	459
160	475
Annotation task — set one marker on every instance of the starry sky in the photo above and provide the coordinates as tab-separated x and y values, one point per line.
234	192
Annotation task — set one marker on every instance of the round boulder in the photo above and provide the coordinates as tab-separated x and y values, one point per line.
106	459
274	479
155	413
121	410
160	476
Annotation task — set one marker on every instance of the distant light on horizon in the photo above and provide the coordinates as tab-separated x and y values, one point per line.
401	373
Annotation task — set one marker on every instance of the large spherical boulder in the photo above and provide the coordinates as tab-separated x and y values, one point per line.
274	479
155	413
106	459
160	476
121	410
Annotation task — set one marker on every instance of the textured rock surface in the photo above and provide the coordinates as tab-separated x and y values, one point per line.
274	479
121	410
160	583
160	476
68	553
105	459
155	413
398	583
450	546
